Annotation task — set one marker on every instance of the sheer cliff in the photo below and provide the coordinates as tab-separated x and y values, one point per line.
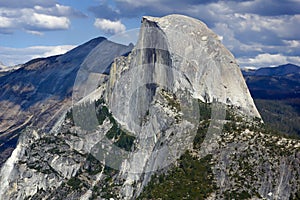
172	119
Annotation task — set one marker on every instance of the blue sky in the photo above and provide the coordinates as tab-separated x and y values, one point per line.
259	33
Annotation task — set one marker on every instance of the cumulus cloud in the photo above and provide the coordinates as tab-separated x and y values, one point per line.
268	60
58	10
109	26
46	22
5	25
292	43
14	56
35	16
29	20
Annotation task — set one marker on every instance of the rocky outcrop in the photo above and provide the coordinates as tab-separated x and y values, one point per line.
44	162
200	56
178	53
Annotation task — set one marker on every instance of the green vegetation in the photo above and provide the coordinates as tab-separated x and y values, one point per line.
94	165
74	182
69	115
230	127
296	196
121	138
281	115
237	195
102	111
200	135
102	114
204	110
108	187
236	123
192	179
232	115
95	193
205	116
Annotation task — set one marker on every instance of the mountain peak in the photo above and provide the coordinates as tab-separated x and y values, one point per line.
184	24
281	70
288	65
197	53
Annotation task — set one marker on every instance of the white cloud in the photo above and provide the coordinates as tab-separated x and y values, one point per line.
281	26
36	19
5	22
35	33
109	26
292	43
294	60
14	56
31	21
58	10
268	60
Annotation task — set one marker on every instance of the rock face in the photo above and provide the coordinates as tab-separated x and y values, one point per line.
209	67
178	53
150	110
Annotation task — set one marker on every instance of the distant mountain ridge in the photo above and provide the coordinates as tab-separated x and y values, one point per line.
281	70
276	92
280	82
